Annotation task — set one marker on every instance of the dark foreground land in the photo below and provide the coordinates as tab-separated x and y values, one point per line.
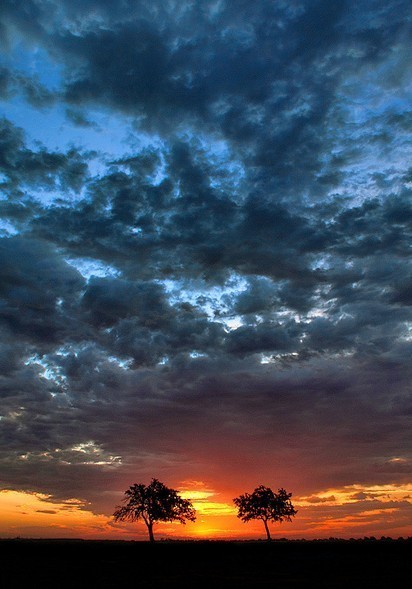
331	564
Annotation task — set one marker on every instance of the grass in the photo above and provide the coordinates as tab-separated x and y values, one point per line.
328	564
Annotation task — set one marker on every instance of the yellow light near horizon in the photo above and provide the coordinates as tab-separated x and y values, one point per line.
204	506
355	493
25	513
352	509
196	495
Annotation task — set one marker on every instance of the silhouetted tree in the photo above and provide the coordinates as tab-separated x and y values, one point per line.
266	505
154	503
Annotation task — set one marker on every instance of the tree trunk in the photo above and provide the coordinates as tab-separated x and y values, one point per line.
150	529
267	530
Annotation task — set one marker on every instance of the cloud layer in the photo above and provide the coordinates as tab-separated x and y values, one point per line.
205	253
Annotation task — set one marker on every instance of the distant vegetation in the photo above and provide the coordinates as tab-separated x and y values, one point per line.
265	505
154	503
158	503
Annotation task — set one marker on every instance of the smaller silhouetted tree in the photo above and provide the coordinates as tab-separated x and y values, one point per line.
154	503
265	505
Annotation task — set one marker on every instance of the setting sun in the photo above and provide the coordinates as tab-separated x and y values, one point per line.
205	268
353	510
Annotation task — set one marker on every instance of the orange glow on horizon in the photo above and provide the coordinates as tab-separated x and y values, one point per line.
354	493
200	499
350	511
27	514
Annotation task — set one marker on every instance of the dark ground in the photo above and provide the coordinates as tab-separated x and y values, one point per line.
80	564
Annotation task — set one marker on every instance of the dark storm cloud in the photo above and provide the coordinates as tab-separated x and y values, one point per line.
199	231
37	290
265	78
108	300
149	231
23	167
235	293
261	76
260	338
270	416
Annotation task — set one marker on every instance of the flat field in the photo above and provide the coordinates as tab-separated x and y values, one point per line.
328	564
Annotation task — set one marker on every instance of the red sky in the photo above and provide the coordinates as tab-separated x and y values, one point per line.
351	511
205	263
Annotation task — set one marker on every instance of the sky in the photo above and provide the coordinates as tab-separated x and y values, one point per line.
205	260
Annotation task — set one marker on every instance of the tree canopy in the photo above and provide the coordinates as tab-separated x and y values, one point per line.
154	503
265	505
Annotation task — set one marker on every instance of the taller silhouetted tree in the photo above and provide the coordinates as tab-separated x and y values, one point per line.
265	505
154	503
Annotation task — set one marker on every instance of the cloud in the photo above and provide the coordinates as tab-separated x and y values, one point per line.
226	289
37	169
14	83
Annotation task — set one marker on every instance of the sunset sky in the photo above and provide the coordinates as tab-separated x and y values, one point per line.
205	263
